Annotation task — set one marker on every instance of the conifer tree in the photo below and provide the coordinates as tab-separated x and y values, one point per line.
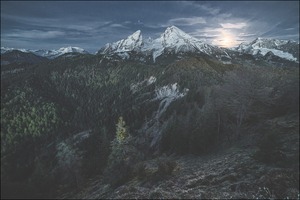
118	145
121	131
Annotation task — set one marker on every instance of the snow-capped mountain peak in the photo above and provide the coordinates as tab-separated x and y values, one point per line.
6	49
173	33
55	53
173	39
133	42
135	36
177	39
286	49
71	50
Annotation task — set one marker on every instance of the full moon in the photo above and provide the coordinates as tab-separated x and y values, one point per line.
227	39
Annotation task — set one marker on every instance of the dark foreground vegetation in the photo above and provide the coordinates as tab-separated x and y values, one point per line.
69	121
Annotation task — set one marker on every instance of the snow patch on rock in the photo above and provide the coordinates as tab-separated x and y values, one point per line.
264	51
151	80
134	87
167	94
124	55
168	91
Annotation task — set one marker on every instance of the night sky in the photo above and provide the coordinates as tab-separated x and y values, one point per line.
90	25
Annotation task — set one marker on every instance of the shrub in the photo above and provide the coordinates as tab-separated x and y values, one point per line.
269	149
201	141
175	136
165	167
196	132
140	170
69	162
203	137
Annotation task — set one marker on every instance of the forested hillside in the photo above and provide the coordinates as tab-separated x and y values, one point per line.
76	119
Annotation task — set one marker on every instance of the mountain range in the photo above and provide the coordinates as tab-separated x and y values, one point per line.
50	54
173	40
176	41
286	49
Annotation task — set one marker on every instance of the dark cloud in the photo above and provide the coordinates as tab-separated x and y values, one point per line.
89	24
